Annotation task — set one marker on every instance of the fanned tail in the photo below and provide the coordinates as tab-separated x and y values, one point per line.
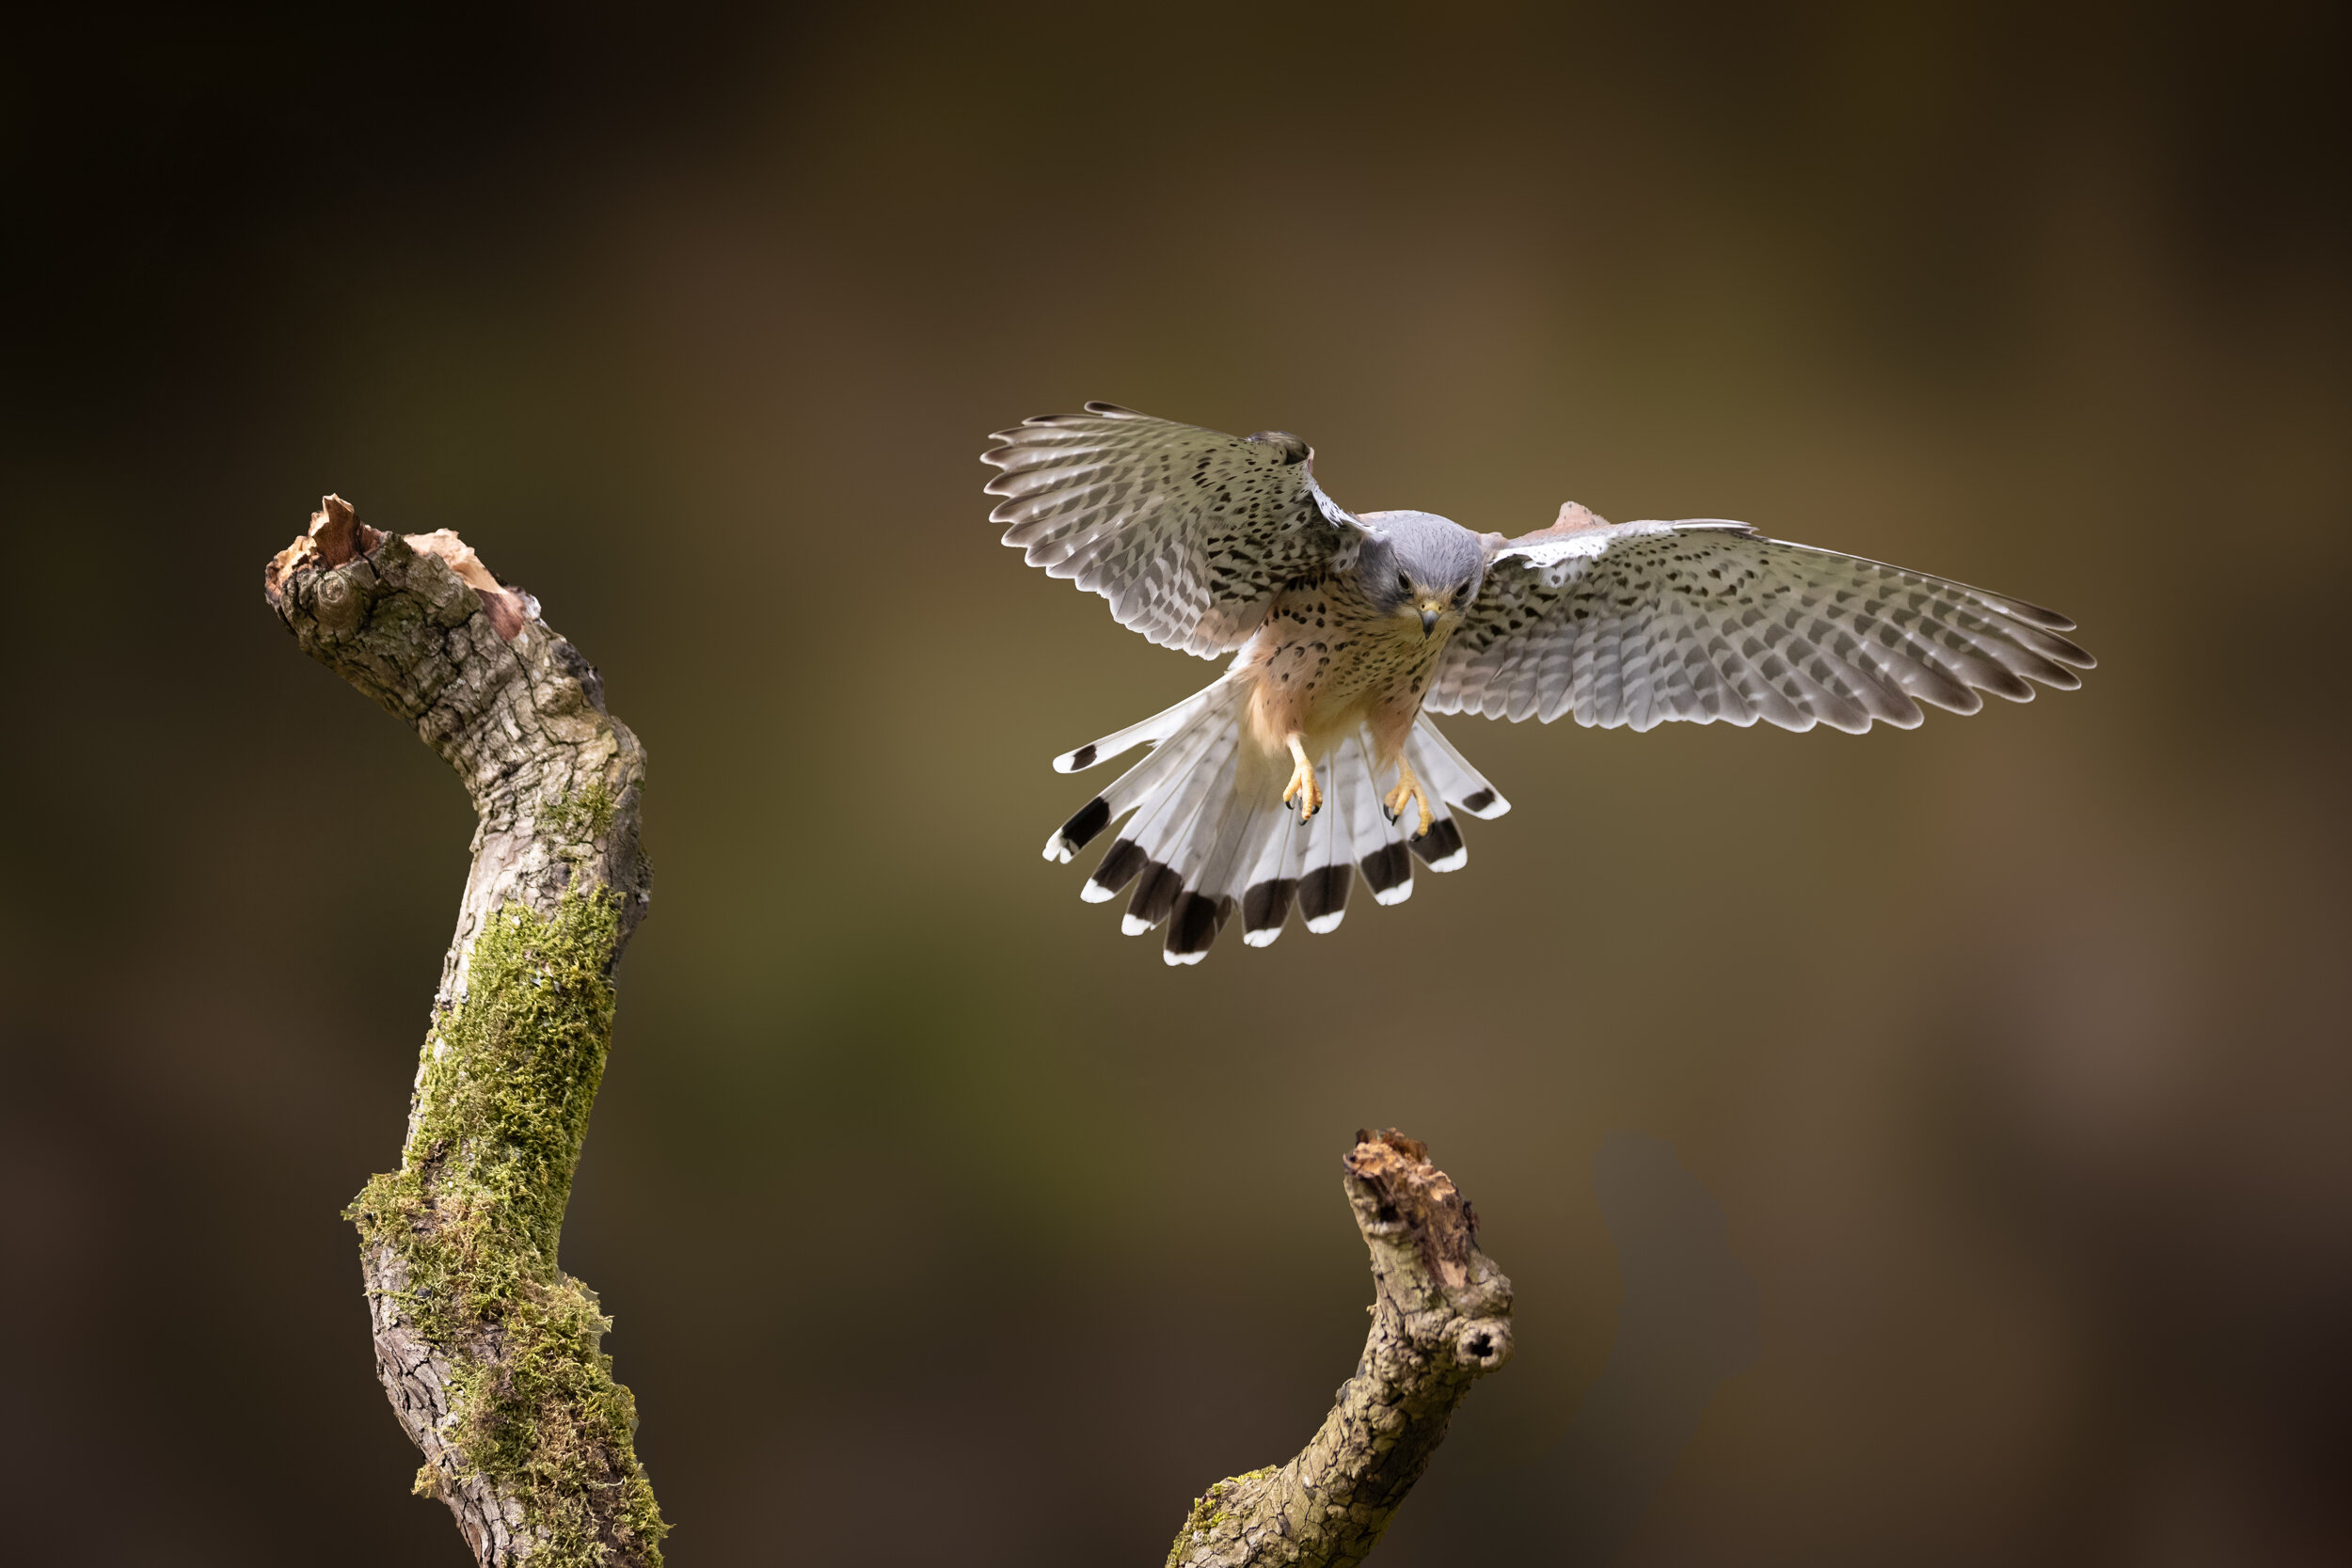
1206	834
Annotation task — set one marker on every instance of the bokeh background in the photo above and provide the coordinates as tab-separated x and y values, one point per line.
1934	1147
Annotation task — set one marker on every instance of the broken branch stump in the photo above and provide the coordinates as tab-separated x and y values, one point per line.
1440	1320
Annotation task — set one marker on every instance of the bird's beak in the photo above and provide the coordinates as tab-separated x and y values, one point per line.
1429	613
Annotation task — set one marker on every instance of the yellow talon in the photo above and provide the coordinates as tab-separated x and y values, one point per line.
1302	784
1407	788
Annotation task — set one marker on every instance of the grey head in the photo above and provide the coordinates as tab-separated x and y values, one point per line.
1418	563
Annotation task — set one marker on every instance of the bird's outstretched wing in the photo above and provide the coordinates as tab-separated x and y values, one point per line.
1705	620
1186	532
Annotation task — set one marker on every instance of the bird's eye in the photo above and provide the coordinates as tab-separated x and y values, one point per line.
1404	582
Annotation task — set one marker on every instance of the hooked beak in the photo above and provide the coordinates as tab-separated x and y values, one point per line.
1428	624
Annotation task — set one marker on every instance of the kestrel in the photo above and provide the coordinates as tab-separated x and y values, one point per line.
1312	759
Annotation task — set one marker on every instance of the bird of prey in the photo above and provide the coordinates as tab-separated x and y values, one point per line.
1312	759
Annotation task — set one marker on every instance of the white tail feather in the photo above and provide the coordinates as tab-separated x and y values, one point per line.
1156	728
1323	892
1445	770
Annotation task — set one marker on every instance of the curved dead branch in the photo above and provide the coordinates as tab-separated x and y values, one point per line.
489	1352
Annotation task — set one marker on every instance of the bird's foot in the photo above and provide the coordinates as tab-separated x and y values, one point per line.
1302	786
1407	789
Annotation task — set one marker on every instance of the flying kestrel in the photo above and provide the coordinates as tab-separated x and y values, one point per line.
1312	759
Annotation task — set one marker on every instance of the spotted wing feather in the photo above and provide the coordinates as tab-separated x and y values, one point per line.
1186	532
1706	620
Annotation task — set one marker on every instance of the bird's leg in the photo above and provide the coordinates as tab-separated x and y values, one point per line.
1302	784
1407	788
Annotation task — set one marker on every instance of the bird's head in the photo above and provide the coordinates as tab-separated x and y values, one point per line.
1421	568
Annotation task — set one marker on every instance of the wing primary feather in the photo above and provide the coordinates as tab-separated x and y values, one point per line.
1708	620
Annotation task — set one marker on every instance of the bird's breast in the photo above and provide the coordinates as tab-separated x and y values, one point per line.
1328	659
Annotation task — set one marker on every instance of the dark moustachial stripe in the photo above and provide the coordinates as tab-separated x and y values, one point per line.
1267	905
1092	818
1155	894
1390	865
1082	757
1479	802
1442	839
1324	891
1194	925
1118	866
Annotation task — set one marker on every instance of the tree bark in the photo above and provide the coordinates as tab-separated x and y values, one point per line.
1440	1320
489	1352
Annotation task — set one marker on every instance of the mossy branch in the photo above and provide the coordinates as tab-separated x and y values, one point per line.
489	1352
1440	1320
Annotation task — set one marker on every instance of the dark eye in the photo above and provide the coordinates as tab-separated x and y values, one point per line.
1404	582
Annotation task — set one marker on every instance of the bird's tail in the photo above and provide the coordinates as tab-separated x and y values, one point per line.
1208	833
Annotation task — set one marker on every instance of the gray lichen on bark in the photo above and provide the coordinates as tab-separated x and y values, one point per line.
488	1351
1440	1320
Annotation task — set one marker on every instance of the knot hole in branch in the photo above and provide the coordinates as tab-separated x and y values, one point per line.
1484	1344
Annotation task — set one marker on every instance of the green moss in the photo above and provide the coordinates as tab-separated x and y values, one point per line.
475	1212
586	812
1210	1510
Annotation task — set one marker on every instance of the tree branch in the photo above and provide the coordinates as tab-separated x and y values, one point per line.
488	1351
1441	1319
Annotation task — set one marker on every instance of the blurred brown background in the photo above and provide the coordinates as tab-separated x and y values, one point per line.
1951	1131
